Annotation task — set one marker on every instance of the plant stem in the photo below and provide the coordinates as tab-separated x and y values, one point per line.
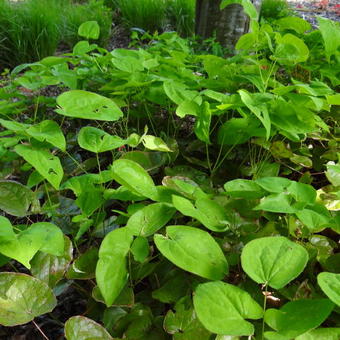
40	330
264	310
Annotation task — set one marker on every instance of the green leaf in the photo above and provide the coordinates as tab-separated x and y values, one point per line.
44	162
140	249
330	32
173	289
244	188
155	143
96	140
124	299
177	92
89	201
321	334
273	261
89	30
298	317
333	173
273	184
238	130
146	221
51	268
193	250
84	267
207	211
277	203
188	107
184	186
302	192
183	323
222	308
111	272
82	328
14	126
22	298
132	176
302	161
202	124
87	105
247	41
316	217
330	285
256	104
293	23
49	131
15	198
333	99
290	50
82	47
42	236
248	7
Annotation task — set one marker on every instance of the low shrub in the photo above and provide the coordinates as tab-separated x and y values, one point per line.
274	9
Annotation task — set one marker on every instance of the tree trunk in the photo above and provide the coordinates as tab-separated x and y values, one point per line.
228	24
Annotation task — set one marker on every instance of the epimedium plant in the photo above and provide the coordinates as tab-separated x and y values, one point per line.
192	196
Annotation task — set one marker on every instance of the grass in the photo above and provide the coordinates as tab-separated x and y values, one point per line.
30	30
181	14
148	15
33	29
75	14
159	15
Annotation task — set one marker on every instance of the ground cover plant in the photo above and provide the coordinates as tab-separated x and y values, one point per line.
183	195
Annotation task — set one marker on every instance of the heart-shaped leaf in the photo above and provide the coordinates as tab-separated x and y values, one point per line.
22	298
96	140
222	308
42	236
148	220
298	317
207	211
321	334
82	328
51	268
193	250
155	143
84	267
132	176
111	272
49	131
89	30
244	188
15	198
330	285
87	105
183	323
273	261
44	162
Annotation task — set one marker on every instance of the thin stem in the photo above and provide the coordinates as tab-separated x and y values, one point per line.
264	309
208	156
40	330
217	165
